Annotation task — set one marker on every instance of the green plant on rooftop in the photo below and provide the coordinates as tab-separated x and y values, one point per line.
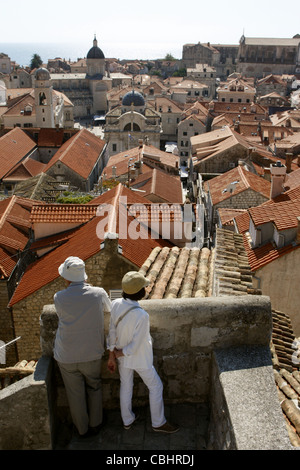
74	199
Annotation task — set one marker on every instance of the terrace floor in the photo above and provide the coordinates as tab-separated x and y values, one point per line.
193	420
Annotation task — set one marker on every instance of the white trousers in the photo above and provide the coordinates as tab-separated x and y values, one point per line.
152	380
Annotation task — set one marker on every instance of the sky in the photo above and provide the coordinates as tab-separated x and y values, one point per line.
136	27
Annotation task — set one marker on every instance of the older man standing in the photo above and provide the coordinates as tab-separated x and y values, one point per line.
79	344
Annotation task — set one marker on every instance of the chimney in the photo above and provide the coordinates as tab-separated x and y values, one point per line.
289	158
298	232
237	126
114	171
278	175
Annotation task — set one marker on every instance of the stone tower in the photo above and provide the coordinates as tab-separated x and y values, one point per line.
44	99
96	74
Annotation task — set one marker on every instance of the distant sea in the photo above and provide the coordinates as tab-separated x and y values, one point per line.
23	52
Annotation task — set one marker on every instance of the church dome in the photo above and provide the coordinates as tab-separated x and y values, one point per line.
42	74
133	97
95	51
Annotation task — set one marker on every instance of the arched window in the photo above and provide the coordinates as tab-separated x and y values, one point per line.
135	127
42	99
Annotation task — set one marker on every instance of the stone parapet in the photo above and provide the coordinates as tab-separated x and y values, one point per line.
25	411
185	333
206	350
246	412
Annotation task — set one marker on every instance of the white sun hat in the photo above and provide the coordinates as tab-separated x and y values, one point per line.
73	269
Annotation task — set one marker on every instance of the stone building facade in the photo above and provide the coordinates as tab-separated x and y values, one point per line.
187	128
243	200
258	57
221	56
236	91
217	151
131	122
205	74
252	57
87	91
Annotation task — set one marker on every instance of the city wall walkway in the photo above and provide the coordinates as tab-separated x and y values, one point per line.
193	420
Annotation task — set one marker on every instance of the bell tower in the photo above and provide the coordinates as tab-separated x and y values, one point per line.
44	99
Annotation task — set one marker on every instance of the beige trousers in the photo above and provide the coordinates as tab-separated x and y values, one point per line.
83	387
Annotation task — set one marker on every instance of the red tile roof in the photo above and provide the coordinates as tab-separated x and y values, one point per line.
84	243
121	161
167	159
242	222
62	213
80	153
157	183
283	212
292	179
147	153
24	170
283	215
17	108
259	257
227	215
14	146
50	137
241	180
14	232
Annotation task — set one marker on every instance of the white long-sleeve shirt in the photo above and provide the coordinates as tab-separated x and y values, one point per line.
80	333
132	334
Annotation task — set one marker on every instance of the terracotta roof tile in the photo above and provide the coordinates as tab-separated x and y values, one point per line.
239	180
232	271
24	170
210	144
227	215
194	272
177	272
121	160
14	146
292	180
50	137
285	350
282	214
157	183
147	153
80	153
18	106
242	221
45	270
167	159
259	257
61	213
14	232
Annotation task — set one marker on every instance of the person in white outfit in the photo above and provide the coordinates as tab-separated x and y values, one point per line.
129	342
79	344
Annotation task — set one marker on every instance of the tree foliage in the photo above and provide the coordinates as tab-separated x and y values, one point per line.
36	61
180	73
169	57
